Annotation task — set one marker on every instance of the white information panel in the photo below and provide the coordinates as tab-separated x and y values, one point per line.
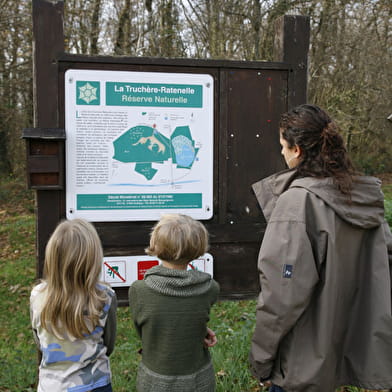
121	271
138	144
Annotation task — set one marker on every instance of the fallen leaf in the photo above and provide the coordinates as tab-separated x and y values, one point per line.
15	288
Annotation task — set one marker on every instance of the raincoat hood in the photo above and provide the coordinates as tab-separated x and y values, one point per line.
364	210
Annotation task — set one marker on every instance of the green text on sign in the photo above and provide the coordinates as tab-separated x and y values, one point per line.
154	94
141	201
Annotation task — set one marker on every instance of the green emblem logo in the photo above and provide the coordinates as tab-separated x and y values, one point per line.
87	93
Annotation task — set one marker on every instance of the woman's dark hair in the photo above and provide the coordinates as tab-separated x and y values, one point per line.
323	150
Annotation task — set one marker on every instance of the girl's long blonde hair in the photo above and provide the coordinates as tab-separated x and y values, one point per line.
73	262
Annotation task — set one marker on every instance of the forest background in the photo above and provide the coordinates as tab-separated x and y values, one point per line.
350	75
350	67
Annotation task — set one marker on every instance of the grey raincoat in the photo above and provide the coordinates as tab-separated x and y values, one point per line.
324	311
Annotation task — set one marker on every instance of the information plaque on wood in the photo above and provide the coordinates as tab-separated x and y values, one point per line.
138	145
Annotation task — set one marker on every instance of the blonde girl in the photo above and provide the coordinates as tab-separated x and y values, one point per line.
73	314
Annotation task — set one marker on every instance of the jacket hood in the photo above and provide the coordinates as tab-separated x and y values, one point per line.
364	210
177	283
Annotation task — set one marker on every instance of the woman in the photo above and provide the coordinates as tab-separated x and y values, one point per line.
324	312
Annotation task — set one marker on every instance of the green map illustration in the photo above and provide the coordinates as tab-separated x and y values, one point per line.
145	145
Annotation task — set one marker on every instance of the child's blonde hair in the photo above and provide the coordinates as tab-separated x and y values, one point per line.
178	239
73	262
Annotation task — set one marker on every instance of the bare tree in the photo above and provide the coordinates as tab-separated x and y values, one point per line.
15	82
123	29
350	75
95	19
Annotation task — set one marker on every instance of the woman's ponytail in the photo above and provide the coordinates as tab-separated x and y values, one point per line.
323	151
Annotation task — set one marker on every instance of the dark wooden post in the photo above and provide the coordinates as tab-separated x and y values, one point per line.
48	43
292	33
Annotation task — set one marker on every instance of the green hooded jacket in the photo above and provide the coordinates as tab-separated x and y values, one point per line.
170	310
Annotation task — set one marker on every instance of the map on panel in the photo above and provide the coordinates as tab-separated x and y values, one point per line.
139	145
145	145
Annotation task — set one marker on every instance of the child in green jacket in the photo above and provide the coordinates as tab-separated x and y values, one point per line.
170	309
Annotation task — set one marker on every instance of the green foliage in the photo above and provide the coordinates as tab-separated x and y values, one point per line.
233	323
388	211
17	351
125	359
387	189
